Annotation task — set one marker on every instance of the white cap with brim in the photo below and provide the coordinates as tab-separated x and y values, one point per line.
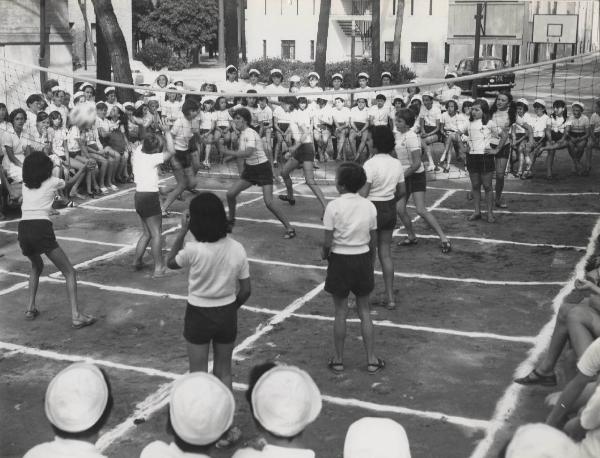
172	87
109	89
276	71
230	67
294	79
208	98
537	440
376	437
388	74
76	398
578	104
78	94
201	408
416	97
314	75
426	94
540	102
128	105
337	75
524	102
363	75
138	104
84	85
285	400
253	71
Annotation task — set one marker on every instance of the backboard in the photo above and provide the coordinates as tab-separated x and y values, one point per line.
555	28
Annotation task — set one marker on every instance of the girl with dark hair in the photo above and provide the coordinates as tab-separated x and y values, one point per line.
118	147
577	133
480	157
218	285
323	122
504	114
521	135
283	119
183	132
359	123
409	152
36	235
207	129
454	128
16	146
223	125
89	91
540	127
257	171
145	161
385	183
558	119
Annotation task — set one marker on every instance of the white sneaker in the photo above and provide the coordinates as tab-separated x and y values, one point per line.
104	190
113	187
431	168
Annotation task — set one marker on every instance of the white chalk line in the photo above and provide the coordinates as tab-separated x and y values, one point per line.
74	239
523	193
160	396
528	213
509	401
14	288
159	399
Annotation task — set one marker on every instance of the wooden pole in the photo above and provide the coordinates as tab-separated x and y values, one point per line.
478	18
221	34
43	41
353	58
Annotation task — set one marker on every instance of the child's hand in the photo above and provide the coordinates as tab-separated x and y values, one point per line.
185	221
583	284
324	252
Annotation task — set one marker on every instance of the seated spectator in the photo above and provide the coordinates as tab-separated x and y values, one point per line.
376	438
537	440
77	404
200	411
284	401
577	323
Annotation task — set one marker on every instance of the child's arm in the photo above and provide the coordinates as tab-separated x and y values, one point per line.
372	242
178	243
327	243
243	292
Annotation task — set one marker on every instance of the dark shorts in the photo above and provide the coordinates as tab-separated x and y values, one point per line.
283	126
305	153
431	129
74	154
417	182
359	125
386	214
556	136
36	236
519	137
204	131
576	135
350	273
480	163
503	153
147	204
184	158
540	141
258	175
203	325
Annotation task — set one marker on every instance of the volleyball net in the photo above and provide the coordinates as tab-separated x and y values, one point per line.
571	79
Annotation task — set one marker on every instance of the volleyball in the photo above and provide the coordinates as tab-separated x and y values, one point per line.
83	114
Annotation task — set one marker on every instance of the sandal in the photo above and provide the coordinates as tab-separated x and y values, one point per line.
334	367
290	234
231	437
287	199
501	205
390	306
374	368
31	315
535	378
446	247
474	217
408	242
88	321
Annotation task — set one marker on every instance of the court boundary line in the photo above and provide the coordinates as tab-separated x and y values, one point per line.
508	402
157	396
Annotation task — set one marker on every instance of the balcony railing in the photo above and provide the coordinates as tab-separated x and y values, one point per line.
351	8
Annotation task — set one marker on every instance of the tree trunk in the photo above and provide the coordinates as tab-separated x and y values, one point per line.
398	32
243	30
108	26
375	39
103	67
232	53
322	34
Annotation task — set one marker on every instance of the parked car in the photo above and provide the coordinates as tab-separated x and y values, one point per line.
487	84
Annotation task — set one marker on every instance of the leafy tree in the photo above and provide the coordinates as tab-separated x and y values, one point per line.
183	25
140	9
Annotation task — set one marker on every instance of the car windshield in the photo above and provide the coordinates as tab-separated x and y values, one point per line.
485	65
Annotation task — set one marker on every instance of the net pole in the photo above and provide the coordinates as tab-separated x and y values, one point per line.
554	51
42	58
478	18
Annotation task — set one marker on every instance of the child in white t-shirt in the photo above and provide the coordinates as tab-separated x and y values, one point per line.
350	223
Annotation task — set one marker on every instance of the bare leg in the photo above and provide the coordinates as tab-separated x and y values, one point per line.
486	180
366	327
181	186
232	194
268	199
339	327
142	244
222	363
309	176
476	192
198	357
384	248
500	168
289	166
154	224
419	199
37	267
405	218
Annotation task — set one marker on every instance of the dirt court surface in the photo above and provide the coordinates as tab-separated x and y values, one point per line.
465	322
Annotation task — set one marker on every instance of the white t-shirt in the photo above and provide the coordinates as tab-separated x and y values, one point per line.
358	115
383	172
272	89
302	126
64	448
215	269
379	116
144	167
159	449
283	117
539	124
453	123
312	99
323	116
223	118
595	122
448	93
578	125
18	144
273	451
589	447
502	122
430	116
182	131
259	88
231	86
249	138
481	136
342	116
351	218
264	115
171	110
37	203
405	143
589	363
206	120
58	141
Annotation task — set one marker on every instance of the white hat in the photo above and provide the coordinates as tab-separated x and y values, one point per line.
285	400
128	105
416	97
426	94
58	89
468	99
276	71
452	74
230	67
100	102
86	84
376	438
540	102
253	71
201	408
178	81
538	440
337	75
172	86
363	75
76	398
153	98
340	96
294	79
109	89
78	94
314	74
388	74
524	102
579	104
138	104
208	98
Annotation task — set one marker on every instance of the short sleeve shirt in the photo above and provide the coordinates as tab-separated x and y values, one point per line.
206	120
214	270
557	124
342	116
273	451
264	115
481	136
223	118
595	122
358	115
182	131
379	116
578	125
539	124
383	173
431	116
405	143
145	170
324	116
589	363
351	218
448	93
37	203
249	138
451	123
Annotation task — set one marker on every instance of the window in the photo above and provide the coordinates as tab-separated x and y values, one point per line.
288	49
418	52
389	49
516	49
446	53
264	49
312	49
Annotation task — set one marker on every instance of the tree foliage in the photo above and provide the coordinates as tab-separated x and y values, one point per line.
182	24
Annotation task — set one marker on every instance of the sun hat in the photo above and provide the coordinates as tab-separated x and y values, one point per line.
337	75
78	94
84	85
128	105
426	94
579	104
276	71
314	74
76	398
230	67
208	98
342	97
376	438
388	74
538	440
416	97
201	408
361	96
363	75
524	102
109	89
540	102
253	71
294	79
138	104
285	400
